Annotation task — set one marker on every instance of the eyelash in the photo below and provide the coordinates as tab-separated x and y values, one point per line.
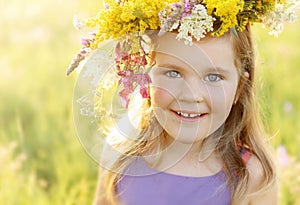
219	77
206	78
168	73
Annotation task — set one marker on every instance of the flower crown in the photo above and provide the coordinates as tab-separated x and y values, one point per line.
126	21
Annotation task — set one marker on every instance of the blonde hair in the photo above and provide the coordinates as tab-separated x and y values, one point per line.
242	127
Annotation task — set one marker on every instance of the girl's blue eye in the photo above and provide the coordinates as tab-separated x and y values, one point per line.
173	74
213	77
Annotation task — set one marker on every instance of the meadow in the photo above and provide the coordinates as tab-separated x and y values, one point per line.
42	160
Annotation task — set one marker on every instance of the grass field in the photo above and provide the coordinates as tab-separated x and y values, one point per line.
42	160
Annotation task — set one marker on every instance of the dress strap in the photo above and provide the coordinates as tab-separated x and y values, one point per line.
245	154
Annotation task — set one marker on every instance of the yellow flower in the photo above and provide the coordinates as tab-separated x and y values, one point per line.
129	16
139	15
226	11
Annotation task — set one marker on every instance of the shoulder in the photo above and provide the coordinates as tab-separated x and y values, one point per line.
257	192
99	194
256	171
109	155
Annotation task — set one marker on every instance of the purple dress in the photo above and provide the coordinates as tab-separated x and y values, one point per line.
160	188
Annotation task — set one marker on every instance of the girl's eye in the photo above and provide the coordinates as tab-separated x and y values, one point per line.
213	78
173	74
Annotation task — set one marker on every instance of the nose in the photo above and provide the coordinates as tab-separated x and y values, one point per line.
193	90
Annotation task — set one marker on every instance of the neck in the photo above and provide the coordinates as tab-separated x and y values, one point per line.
196	159
198	152
182	151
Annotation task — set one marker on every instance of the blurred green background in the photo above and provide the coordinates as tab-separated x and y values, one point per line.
43	162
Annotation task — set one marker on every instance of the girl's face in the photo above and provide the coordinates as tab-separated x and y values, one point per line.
193	87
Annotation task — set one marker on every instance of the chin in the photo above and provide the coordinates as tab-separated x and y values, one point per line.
187	137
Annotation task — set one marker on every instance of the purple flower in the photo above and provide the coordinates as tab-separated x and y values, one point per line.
187	8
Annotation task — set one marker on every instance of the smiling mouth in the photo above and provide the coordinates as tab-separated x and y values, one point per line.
191	116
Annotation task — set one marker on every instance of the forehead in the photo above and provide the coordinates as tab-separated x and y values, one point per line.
209	52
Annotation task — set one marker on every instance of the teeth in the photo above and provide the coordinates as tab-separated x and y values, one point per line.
185	115
188	115
194	115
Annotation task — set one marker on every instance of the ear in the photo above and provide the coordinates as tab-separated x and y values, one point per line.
240	87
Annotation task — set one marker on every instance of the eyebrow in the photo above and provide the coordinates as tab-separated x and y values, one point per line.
170	66
216	68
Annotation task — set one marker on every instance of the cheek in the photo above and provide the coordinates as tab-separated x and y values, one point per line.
160	101
222	99
160	97
162	84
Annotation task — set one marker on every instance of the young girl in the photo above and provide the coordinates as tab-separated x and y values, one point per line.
200	138
211	149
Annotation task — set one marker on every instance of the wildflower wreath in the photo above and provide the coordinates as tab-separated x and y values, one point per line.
125	21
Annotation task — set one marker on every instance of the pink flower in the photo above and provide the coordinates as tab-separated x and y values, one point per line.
124	97
120	54
142	79
130	80
144	92
139	59
85	42
288	107
126	79
282	156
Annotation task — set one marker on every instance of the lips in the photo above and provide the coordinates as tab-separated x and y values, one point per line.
188	115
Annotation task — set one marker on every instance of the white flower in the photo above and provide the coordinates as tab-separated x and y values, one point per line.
195	25
170	17
274	21
97	66
175	25
78	24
